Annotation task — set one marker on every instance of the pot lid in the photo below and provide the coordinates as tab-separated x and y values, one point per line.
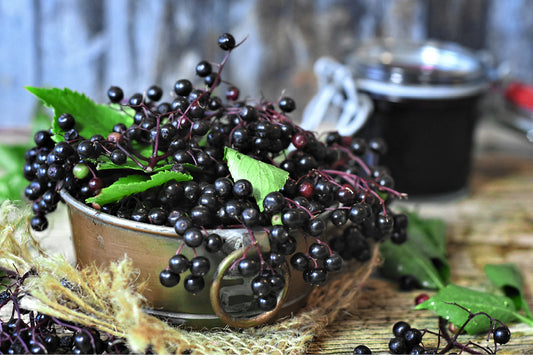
402	68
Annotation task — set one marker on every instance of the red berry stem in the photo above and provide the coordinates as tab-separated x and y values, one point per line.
299	206
354	157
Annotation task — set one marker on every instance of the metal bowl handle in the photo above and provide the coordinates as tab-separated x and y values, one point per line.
215	296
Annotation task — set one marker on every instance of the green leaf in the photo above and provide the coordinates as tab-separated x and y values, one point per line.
434	229
509	278
133	184
12	187
423	255
12	157
404	259
445	304
91	118
265	178
12	181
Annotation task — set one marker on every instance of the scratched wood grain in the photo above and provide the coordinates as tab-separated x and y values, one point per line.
91	45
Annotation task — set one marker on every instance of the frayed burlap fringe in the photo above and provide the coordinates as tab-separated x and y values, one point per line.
110	300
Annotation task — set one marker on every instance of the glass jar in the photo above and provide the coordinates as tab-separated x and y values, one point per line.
425	97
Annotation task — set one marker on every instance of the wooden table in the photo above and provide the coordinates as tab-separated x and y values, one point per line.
492	224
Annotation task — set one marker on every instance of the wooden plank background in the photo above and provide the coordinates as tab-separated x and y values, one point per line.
88	45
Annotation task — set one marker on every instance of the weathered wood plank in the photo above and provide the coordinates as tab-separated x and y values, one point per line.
90	45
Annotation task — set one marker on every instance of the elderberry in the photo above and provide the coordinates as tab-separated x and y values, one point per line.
226	42
194	283
502	335
115	94
362	349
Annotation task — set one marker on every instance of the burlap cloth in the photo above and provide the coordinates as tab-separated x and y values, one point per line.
110	301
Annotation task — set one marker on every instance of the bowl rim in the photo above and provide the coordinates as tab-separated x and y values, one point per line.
137	226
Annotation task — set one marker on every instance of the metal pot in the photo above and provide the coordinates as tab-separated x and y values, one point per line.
227	299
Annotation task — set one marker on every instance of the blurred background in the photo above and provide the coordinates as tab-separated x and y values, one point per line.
89	45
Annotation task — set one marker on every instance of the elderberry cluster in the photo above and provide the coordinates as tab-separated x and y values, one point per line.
334	181
408	340
27	332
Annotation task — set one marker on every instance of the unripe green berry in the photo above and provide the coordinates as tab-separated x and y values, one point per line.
276	219
80	171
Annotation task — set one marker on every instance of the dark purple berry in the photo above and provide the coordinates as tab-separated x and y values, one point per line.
226	42
136	99
294	218
200	266
248	113
400	328
318	251
43	139
203	68
242	188
287	104
316	276
267	302
397	346
213	243
168	278
277	282
261	286
250	216
118	157
154	93
412	337
333	262
179	264
39	223
66	121
115	94
502	335
274	202
316	227
194	284
248	267
300	262
362	349
193	237
183	87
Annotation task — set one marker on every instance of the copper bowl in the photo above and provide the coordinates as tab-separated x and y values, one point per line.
226	300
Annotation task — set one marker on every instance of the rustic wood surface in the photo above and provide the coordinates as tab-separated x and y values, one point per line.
493	224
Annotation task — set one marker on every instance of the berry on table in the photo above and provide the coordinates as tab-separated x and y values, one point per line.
400	328
423	297
362	349
502	335
397	346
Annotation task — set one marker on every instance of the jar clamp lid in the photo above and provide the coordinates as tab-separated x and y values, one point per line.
418	70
